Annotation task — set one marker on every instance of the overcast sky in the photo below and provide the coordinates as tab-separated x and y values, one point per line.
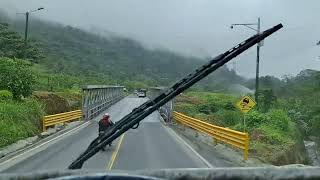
199	27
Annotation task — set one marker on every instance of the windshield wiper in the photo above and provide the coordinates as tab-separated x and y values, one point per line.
132	119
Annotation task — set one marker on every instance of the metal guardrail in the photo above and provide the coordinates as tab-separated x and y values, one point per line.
229	136
60	118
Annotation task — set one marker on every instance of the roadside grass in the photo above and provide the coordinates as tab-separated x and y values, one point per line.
272	133
19	120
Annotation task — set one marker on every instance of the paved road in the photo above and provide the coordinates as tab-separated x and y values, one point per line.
151	146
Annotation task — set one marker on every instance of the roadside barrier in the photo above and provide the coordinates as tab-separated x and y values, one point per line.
51	120
228	136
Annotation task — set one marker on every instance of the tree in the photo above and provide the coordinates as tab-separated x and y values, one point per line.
17	77
267	99
12	45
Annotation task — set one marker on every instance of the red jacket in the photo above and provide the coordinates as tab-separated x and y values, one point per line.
104	124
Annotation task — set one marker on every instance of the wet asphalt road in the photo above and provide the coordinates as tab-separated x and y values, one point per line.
151	146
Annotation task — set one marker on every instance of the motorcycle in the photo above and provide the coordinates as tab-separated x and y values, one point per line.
110	144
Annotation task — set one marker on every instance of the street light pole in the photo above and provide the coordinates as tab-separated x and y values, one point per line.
257	66
26	29
248	25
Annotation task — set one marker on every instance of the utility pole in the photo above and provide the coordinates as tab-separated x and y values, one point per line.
257	66
26	28
248	25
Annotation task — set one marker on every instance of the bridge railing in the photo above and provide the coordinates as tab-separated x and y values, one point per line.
165	110
228	136
52	120
96	99
96	110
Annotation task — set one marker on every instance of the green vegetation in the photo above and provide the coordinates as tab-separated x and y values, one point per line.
19	120
271	129
288	113
5	95
303	100
68	58
20	116
299	96
112	59
209	106
17	77
12	45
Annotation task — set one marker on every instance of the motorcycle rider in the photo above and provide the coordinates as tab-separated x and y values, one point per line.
104	124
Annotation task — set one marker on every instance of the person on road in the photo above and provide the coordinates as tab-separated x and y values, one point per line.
104	124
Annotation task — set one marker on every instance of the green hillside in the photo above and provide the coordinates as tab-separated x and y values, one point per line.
62	59
113	60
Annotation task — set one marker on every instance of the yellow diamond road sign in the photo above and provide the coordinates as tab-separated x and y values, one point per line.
246	104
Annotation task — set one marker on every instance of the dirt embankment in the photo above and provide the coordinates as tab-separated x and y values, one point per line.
295	154
275	154
56	103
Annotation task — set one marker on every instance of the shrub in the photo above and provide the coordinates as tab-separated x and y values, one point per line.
274	136
187	109
19	120
229	106
229	118
267	99
238	127
5	95
203	117
17	77
254	119
315	124
204	108
278	119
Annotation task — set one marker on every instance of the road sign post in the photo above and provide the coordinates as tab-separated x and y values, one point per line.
244	122
245	105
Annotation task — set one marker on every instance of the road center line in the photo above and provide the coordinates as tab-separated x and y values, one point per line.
115	153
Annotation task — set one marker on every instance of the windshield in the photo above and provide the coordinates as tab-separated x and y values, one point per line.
147	85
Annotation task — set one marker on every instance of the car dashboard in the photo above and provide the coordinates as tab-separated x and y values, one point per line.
284	172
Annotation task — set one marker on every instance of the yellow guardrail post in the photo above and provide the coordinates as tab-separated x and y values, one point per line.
43	125
246	148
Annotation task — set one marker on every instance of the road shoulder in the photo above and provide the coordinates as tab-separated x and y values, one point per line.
217	155
17	156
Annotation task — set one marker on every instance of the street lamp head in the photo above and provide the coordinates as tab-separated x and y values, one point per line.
40	8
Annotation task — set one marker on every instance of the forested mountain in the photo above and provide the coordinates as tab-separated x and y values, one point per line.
72	51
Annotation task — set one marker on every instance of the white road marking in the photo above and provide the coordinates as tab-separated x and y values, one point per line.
44	143
188	146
